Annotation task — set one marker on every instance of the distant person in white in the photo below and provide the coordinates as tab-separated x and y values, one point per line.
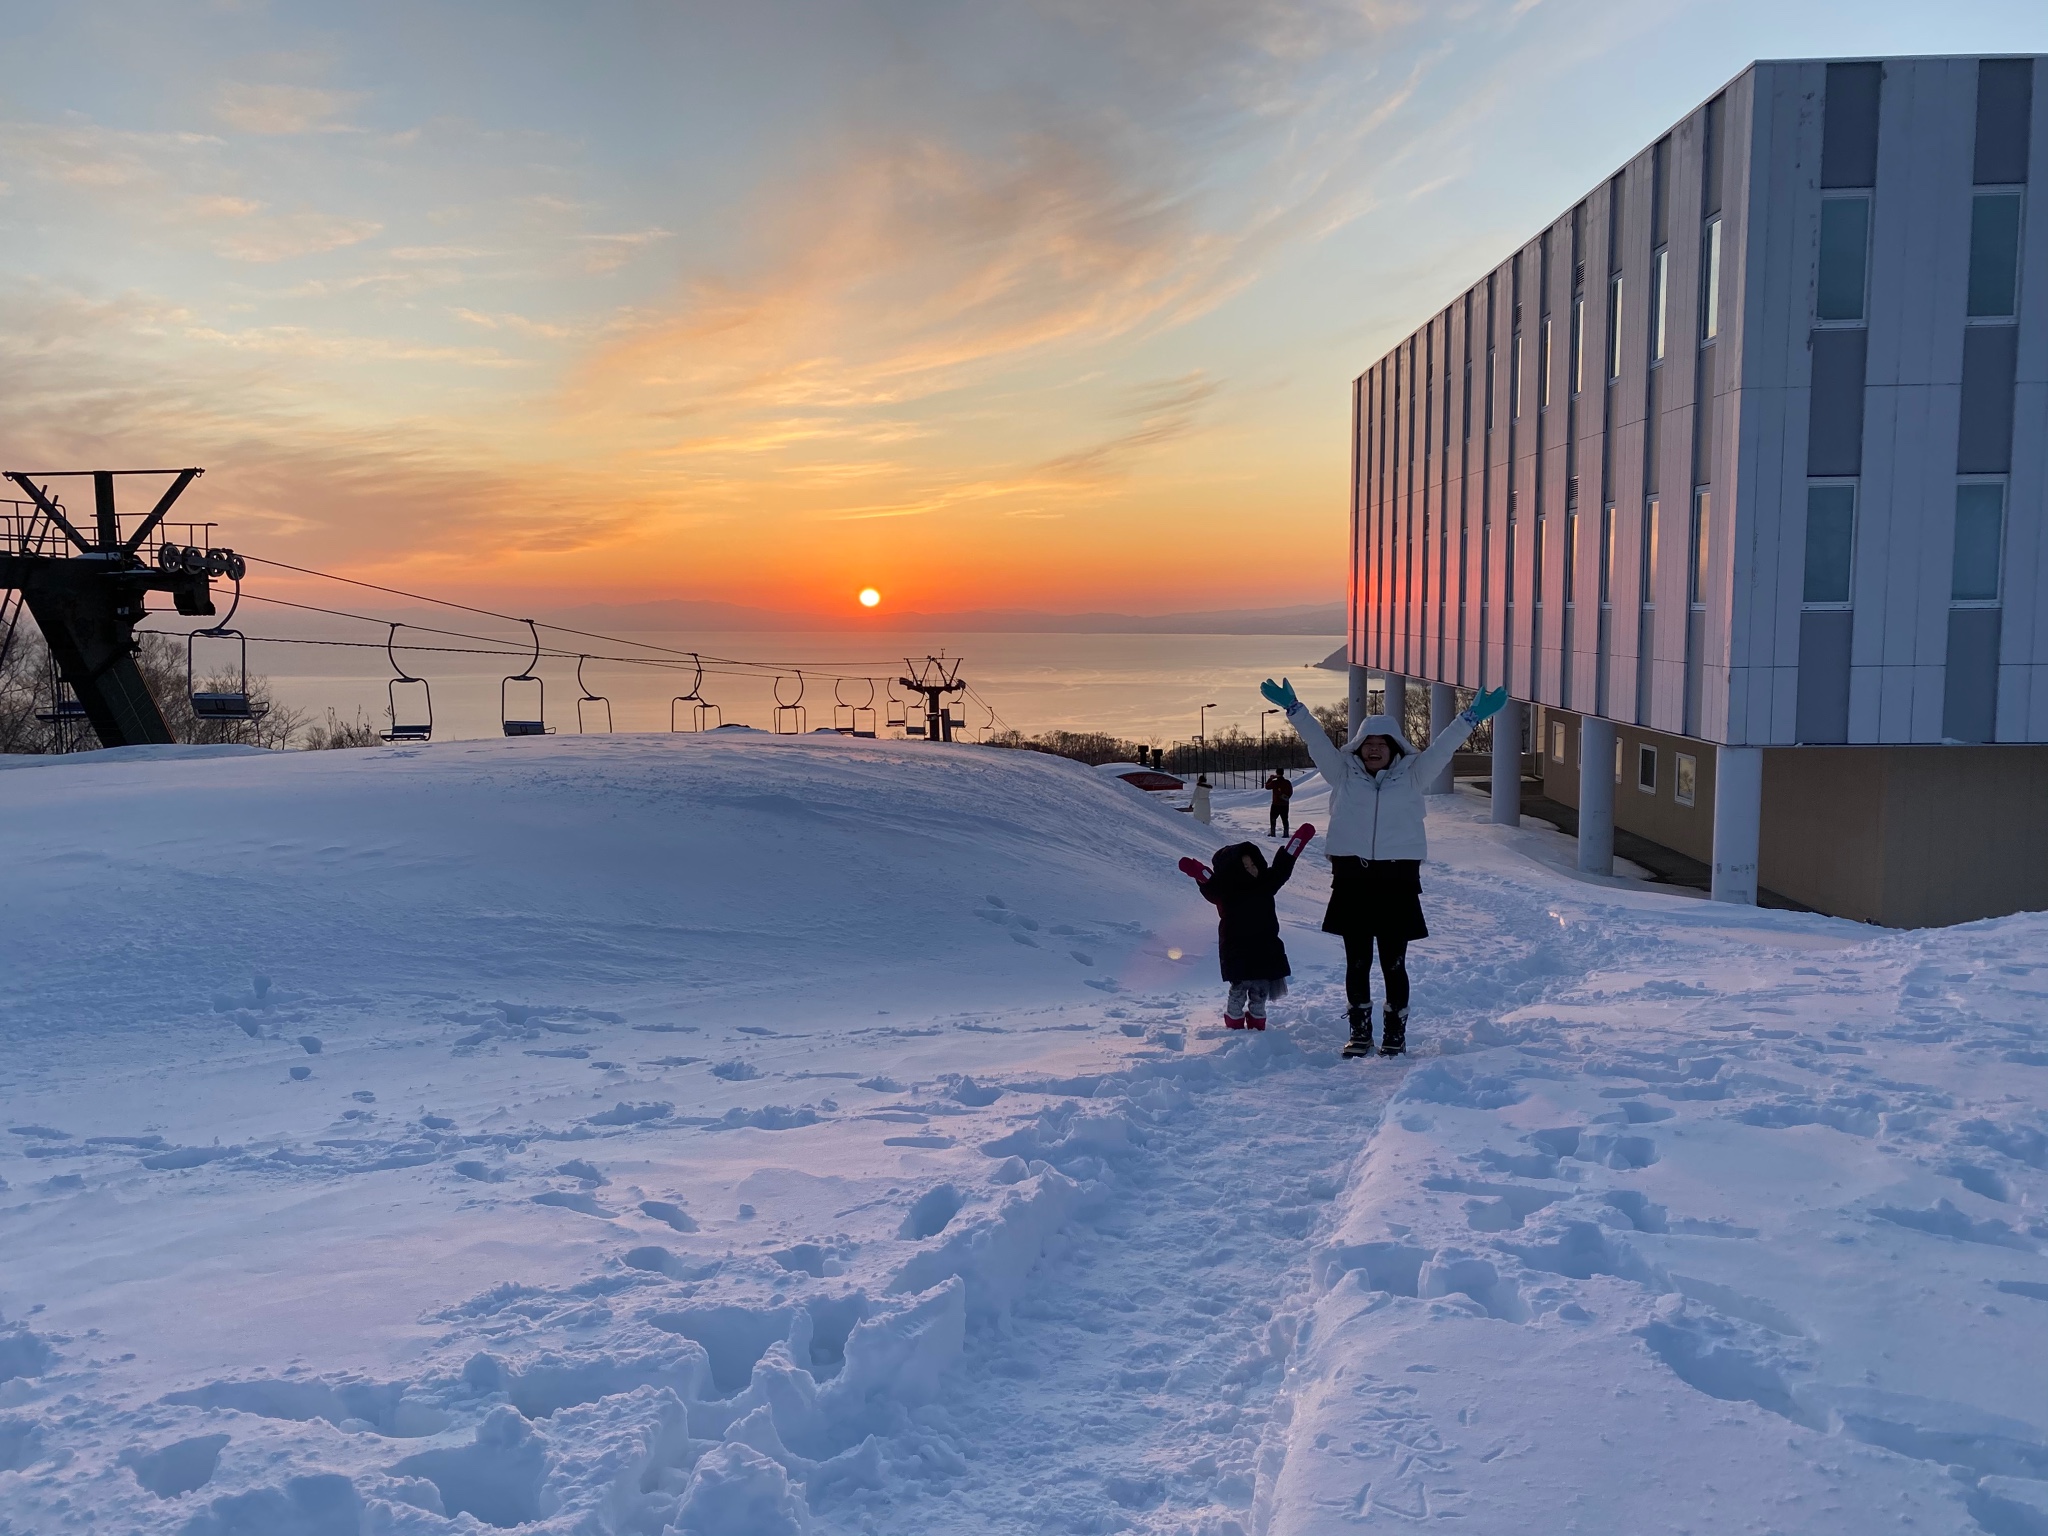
1198	798
1376	849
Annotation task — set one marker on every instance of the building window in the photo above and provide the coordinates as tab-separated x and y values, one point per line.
1685	776
1710	288
1649	594
1980	533
1571	557
1607	522
1646	769
1844	259
1830	545
1489	389
1515	378
1543	365
1614	326
1660	301
1696	552
1578	343
1617	759
1557	741
1994	255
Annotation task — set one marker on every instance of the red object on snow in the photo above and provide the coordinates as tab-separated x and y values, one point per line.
1149	778
1254	1023
1230	1023
1195	869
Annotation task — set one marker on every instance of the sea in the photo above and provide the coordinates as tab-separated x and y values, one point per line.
1149	688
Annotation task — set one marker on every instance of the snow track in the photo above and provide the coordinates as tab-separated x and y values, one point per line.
746	1137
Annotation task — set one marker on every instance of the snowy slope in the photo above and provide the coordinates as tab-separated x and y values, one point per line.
747	1136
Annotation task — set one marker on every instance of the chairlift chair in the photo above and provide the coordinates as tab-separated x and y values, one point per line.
222	703
418	725
791	719
864	714
842	712
526	723
583	704
896	717
694	698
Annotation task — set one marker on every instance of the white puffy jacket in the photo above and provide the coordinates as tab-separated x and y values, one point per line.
1376	815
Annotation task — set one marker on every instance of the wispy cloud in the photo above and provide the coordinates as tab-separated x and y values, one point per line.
281	237
283	109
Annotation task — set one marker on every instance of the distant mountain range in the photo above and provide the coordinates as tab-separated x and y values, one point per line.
1298	619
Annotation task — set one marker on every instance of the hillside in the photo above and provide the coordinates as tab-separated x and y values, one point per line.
747	1135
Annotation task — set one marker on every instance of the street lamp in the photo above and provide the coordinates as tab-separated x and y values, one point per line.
1262	736
1202	735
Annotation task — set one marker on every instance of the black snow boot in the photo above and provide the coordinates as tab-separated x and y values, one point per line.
1394	1033
1360	1043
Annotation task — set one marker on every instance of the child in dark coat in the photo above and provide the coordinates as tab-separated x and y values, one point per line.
1241	887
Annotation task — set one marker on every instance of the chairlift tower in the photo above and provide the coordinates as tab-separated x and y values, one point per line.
935	677
87	587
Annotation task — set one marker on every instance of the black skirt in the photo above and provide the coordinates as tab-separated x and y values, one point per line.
1380	898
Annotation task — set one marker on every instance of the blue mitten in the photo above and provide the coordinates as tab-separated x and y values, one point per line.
1486	706
1281	693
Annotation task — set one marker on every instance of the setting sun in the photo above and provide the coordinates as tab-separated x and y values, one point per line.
869	597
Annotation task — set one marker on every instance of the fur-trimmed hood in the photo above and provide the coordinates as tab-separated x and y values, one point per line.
1380	725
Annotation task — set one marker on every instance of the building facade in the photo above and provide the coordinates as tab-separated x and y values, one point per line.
1746	456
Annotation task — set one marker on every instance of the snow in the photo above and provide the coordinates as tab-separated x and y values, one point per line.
750	1136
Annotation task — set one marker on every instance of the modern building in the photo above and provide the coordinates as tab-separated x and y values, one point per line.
1736	475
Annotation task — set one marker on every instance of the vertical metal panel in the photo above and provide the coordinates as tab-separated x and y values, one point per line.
2023	670
2005	92
1684	167
1984	434
1771	264
1823	690
1970	680
1730	555
1918	268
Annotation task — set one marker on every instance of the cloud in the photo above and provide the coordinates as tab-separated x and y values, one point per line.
283	109
1159	414
603	254
281	237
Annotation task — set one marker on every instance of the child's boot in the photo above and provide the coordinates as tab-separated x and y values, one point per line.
1231	1023
1394	1033
1254	1021
1360	1043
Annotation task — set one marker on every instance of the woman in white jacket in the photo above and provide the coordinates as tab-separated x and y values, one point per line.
1376	847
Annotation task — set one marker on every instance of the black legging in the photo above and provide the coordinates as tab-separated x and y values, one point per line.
1358	971
1277	813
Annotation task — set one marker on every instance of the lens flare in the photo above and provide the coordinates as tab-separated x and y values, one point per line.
869	597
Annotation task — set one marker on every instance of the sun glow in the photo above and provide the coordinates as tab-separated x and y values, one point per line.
869	597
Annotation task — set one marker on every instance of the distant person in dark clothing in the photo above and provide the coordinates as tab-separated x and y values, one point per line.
1282	789
1248	949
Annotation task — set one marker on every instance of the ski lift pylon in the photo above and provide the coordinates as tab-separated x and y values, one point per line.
532	723
222	703
420	726
583	704
791	718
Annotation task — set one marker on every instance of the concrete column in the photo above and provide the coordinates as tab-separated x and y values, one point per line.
1507	764
1443	708
1596	795
1397	699
1355	691
1738	813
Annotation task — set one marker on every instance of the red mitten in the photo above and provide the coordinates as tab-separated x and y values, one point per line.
1195	870
1300	839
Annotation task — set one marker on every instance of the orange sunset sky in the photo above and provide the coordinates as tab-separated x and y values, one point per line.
1029	304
